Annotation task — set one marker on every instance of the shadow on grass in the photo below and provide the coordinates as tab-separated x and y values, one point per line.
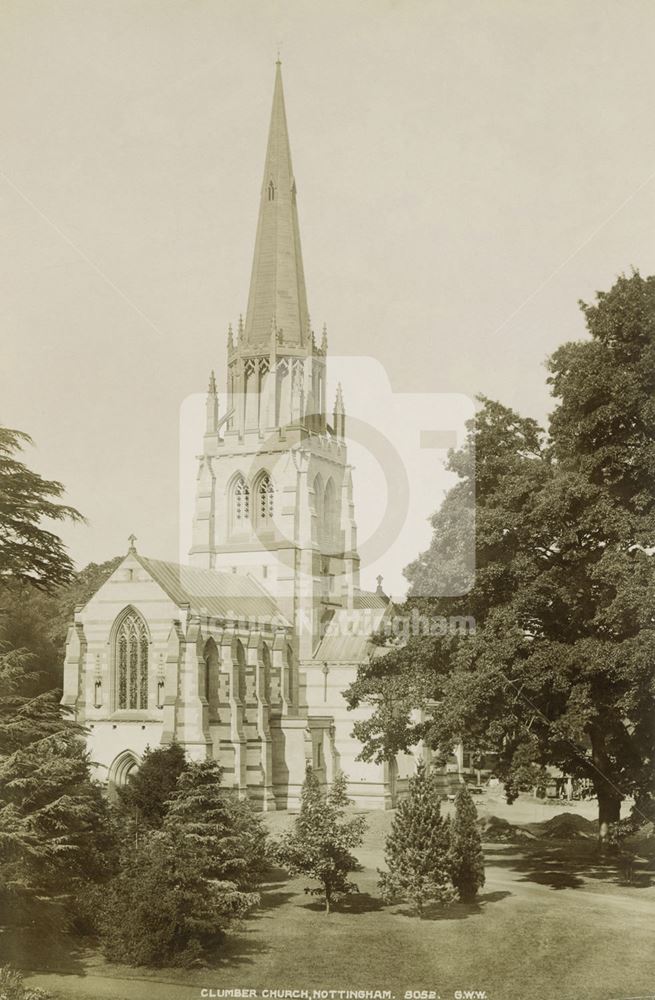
456	911
273	893
238	950
358	902
42	951
568	865
362	902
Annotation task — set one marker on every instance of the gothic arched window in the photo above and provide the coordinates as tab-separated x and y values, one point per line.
131	659
318	500
241	671
271	191
330	522
241	502
266	663
265	499
210	674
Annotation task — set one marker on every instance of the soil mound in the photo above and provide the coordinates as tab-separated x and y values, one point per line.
642	841
568	826
499	831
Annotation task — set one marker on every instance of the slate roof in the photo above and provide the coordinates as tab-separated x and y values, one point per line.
208	592
347	635
371	599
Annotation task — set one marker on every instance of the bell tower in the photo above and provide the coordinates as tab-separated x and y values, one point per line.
274	488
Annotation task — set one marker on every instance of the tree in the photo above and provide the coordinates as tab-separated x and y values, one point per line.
28	551
150	786
466	860
38	621
160	909
416	850
181	888
54	828
558	671
322	839
229	837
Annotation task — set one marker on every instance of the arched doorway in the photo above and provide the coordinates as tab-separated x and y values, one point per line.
120	770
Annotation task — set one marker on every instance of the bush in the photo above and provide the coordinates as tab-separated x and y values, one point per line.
12	988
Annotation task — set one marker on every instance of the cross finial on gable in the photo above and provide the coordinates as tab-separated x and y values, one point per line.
379	587
132	539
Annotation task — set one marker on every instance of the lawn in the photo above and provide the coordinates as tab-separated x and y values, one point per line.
552	923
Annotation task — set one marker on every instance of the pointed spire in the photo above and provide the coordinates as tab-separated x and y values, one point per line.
277	285
230	339
324	339
240	329
339	414
212	405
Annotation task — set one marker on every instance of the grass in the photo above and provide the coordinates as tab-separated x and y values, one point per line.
553	922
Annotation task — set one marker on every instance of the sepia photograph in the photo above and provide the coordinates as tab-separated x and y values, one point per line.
327	500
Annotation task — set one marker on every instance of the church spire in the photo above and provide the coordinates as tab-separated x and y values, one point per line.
277	284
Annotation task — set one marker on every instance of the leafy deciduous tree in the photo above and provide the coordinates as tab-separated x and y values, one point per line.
559	669
321	841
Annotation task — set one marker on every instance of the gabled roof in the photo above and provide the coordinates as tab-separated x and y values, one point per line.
347	634
371	599
232	596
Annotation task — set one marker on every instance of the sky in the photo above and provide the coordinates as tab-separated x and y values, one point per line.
466	173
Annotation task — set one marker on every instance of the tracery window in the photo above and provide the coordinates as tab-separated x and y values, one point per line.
265	499
131	647
241	502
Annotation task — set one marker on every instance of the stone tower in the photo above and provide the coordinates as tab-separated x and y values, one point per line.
274	489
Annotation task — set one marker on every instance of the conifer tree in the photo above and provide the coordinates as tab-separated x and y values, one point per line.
182	887
54	828
322	839
466	857
416	850
28	551
226	832
150	786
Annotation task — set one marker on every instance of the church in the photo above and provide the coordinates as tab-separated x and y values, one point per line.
242	654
